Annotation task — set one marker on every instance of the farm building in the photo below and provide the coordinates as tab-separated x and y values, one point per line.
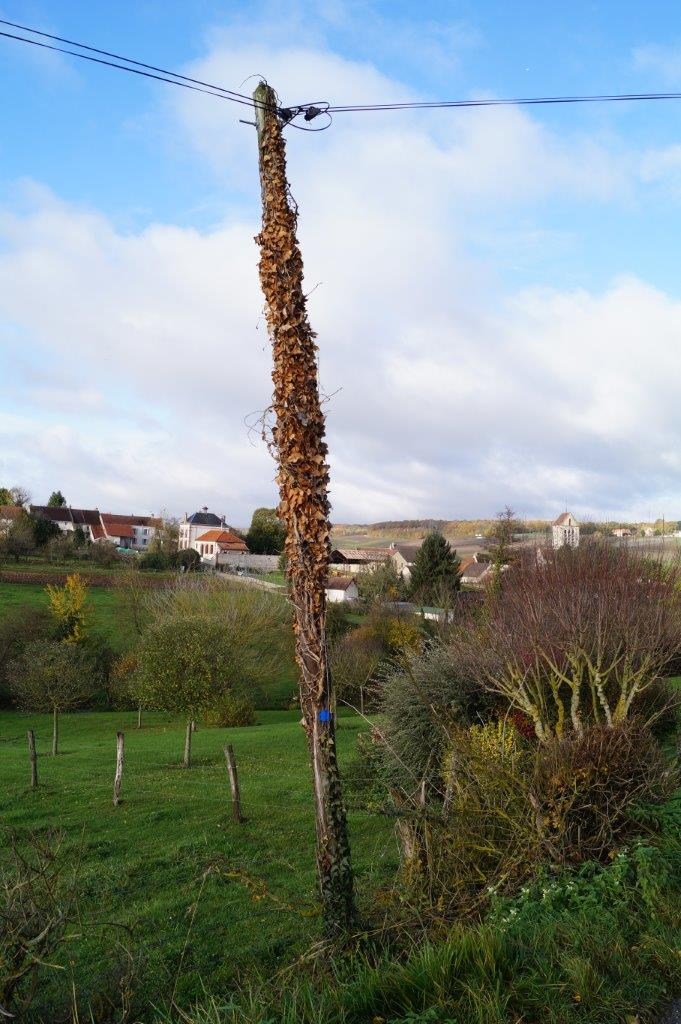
477	573
353	560
341	588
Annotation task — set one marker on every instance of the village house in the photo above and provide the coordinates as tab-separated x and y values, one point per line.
214	542
208	534
133	532
621	531
565	531
403	556
477	574
341	588
354	560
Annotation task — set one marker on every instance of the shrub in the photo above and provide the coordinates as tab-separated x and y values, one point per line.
354	660
577	636
421	700
155	561
104	553
508	805
337	621
37	904
230	710
188	559
587	787
18	627
67	605
380	585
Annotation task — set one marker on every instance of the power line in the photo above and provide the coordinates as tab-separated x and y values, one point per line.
195	84
308	110
519	102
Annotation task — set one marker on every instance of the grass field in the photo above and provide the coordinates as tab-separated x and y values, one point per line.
106	613
108	618
168	870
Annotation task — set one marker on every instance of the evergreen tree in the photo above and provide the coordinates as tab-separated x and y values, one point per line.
435	574
56	500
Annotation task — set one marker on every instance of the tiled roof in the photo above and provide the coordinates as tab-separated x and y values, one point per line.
408	551
116	520
98	532
10	511
564	519
339	582
466	562
476	571
360	555
66	514
204	519
119	529
219	535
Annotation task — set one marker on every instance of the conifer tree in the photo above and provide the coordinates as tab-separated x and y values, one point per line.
436	571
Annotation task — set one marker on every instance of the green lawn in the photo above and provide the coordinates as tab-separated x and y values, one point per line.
169	864
106	614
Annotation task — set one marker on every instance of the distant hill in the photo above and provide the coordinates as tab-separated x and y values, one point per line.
416	529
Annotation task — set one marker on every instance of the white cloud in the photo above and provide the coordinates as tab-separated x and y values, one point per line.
453	399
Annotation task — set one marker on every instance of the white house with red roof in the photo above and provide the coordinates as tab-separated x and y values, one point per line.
209	535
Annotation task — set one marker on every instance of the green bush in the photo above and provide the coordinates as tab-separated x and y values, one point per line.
230	710
19	627
587	787
506	805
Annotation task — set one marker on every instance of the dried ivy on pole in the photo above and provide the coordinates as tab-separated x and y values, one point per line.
303	477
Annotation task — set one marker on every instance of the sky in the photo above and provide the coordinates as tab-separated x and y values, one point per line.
495	291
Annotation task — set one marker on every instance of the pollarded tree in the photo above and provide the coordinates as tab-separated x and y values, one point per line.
436	570
185	664
51	677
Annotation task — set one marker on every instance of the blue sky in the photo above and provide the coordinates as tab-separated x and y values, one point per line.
498	296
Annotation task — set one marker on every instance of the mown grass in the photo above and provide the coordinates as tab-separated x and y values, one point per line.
106	612
609	953
168	877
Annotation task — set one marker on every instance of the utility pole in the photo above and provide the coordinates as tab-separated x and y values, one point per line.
301	452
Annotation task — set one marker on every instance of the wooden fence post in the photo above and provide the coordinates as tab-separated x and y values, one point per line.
118	777
187	759
34	759
234	783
